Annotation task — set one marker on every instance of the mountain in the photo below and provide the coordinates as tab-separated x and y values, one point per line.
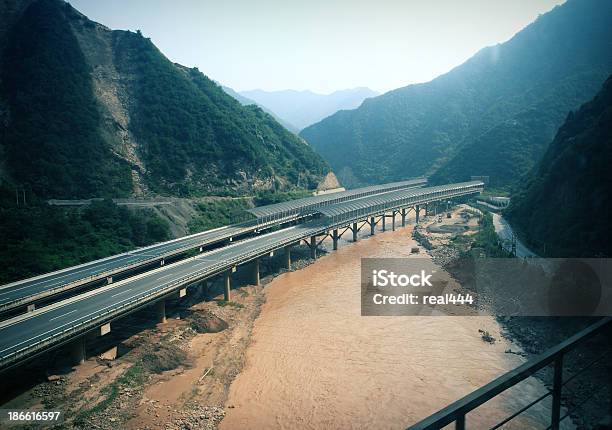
244	101
564	207
303	108
90	112
493	115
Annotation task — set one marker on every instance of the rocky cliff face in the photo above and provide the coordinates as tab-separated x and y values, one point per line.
87	112
111	90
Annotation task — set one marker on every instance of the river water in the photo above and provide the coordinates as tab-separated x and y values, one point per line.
316	363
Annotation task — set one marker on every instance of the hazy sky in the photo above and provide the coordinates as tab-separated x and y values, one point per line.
320	45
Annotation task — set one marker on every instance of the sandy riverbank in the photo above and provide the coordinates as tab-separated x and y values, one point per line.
315	362
303	359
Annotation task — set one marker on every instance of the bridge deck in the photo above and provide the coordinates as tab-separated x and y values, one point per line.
50	326
312	203
29	290
393	200
22	292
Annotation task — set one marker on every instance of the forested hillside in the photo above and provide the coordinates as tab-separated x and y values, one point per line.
38	238
564	207
493	115
91	112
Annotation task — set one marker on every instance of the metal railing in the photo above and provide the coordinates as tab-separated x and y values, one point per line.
457	411
317	227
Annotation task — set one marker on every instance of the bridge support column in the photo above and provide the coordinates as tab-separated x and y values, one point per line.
227	284
160	309
202	287
335	239
417	209
288	257
256	279
384	221
393	220
77	350
354	232
404	217
313	247
372	226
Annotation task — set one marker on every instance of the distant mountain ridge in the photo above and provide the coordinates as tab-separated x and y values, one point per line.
303	108
564	207
245	101
493	115
91	112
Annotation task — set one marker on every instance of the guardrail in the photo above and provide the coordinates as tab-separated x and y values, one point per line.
457	411
250	226
156	292
316	228
379	208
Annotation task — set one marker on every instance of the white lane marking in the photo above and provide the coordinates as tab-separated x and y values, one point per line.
16	289
63	315
121	292
162	277
143	293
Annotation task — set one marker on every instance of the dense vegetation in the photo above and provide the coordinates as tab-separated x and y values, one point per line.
196	138
59	140
51	139
52	143
564	207
39	238
493	115
486	241
217	213
263	198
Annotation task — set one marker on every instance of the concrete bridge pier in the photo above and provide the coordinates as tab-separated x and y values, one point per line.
417	209
77	350
202	287
372	226
313	247
227	285
288	257
393	220
335	239
404	217
256	280
354	232
160	309
384	222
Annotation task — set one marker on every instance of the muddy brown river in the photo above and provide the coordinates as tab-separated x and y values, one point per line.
316	363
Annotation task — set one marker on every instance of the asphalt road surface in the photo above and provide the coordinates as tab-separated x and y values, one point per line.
78	275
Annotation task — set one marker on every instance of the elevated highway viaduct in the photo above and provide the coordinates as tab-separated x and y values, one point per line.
29	293
66	322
